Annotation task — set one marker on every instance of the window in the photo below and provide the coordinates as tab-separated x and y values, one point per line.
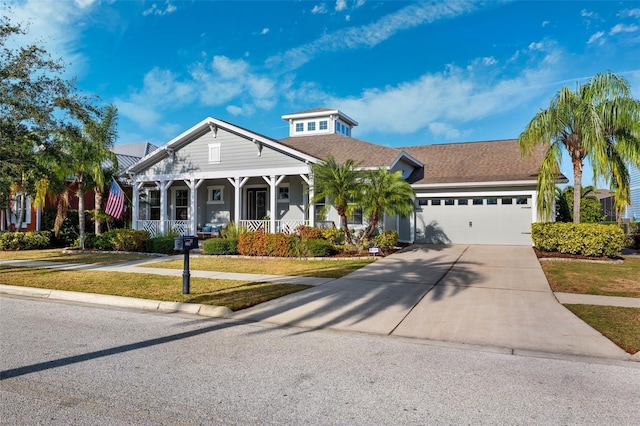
283	193
321	211
522	201
299	127
356	217
507	201
477	201
435	202
423	202
323	125
311	126
214	153
347	131
463	202
154	205
492	201
449	202
215	194
182	204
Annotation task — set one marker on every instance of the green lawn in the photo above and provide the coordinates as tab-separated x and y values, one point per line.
230	293
595	278
293	267
56	255
620	325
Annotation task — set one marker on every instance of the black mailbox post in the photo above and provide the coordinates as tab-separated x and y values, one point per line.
185	244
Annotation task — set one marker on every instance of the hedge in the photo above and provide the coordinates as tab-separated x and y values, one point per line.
318	248
25	240
587	239
220	246
163	244
121	240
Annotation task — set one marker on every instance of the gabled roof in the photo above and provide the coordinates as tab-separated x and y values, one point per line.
489	161
139	149
210	124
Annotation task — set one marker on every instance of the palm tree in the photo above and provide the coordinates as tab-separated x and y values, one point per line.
86	150
599	121
385	191
340	185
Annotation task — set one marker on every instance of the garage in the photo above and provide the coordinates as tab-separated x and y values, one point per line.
474	220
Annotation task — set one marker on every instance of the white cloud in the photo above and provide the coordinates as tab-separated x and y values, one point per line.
588	14
622	28
545	23
372	34
319	9
341	5
159	10
264	31
234	110
595	37
444	130
489	60
630	13
347	18
359	3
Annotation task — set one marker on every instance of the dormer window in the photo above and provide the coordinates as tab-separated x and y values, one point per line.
323	125
319	121
311	126
299	127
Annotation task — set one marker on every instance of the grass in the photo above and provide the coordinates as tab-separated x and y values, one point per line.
606	279
620	325
293	267
56	255
230	293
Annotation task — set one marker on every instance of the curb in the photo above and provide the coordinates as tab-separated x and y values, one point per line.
119	301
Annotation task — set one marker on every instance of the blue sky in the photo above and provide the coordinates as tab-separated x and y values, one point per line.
409	72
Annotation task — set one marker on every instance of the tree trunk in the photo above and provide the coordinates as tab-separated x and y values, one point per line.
345	226
577	188
81	221
373	222
97	211
21	204
62	206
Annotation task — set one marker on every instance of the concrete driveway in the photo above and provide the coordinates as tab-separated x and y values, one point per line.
486	295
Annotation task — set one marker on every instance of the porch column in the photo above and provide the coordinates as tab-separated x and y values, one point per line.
193	185
237	183
135	204
312	205
163	185
273	182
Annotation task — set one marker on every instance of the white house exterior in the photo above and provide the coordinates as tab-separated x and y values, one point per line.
216	172
632	212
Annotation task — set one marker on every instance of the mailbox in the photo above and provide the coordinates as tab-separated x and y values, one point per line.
185	243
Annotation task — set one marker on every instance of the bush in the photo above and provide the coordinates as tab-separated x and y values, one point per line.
162	244
220	246
122	240
318	248
308	232
587	239
261	244
387	240
335	236
25	240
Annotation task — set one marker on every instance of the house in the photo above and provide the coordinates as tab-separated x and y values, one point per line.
217	172
632	212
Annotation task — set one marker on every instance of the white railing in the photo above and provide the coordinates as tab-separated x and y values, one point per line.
284	226
154	227
151	226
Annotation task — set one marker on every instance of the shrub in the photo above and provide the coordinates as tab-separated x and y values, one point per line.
162	244
318	247
25	240
261	244
387	240
309	232
335	236
587	239
220	246
232	231
122	240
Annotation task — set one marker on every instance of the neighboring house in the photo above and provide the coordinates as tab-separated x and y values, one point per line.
217	172
126	155
632	212
607	207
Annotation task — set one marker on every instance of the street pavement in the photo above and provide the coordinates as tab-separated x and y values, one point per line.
64	363
481	295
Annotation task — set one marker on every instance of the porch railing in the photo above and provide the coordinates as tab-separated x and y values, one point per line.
154	227
284	226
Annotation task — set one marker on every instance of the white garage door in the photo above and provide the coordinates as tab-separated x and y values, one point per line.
486	220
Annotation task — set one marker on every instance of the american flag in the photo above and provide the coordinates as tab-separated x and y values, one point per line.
115	202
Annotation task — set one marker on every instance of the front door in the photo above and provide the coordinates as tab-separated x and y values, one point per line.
256	203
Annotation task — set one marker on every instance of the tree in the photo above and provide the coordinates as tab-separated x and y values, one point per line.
87	149
340	185
590	209
385	191
599	121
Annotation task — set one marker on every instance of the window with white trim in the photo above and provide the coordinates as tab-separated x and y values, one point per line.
154	204
283	193
214	153
182	204
322	125
299	127
215	194
311	126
